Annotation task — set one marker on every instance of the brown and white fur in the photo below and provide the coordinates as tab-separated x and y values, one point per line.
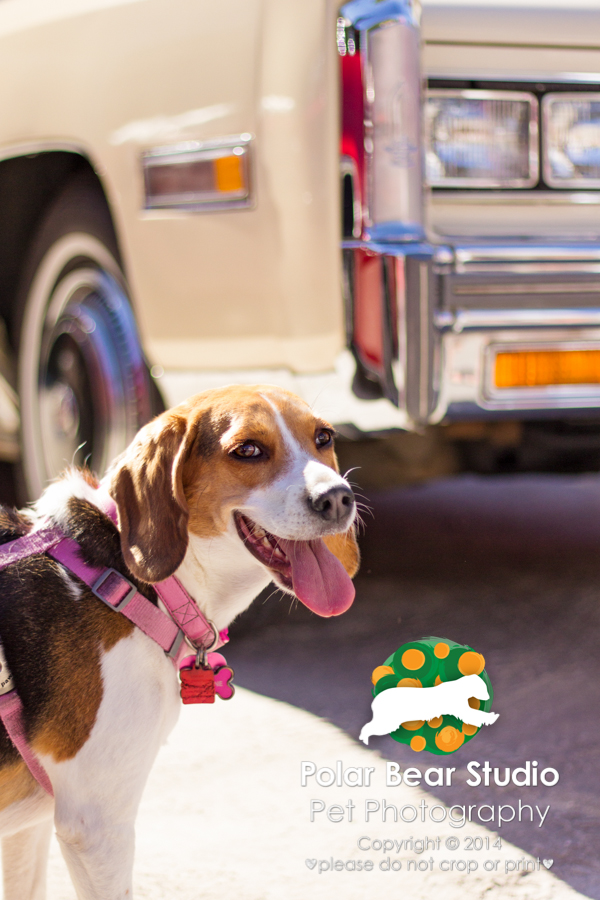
204	491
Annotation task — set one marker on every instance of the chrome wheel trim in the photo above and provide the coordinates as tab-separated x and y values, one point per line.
77	304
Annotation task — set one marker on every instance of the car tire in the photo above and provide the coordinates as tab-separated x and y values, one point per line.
83	384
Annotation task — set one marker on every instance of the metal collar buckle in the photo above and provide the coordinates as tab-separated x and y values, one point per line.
107	573
177	642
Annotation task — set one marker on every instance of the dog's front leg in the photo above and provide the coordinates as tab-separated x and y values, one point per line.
24	861
99	856
478	717
98	791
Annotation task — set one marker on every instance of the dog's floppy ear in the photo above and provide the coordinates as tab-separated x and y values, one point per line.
147	487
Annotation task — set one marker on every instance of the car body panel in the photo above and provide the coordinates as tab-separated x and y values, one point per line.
111	80
512	22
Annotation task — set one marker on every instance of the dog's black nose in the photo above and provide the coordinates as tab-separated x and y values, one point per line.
335	504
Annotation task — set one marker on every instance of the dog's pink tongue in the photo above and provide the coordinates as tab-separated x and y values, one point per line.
320	580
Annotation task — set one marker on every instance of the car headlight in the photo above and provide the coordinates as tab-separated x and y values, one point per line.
482	139
572	140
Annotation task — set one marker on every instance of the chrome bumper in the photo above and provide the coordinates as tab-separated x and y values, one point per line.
426	323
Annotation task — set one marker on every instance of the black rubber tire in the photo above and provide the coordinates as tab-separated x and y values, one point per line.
83	384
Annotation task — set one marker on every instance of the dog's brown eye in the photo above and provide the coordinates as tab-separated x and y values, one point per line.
323	437
248	450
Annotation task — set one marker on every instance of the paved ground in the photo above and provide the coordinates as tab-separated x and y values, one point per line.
224	816
510	566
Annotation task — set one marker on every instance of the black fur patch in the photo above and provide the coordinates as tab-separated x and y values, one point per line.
13	524
36	605
209	434
99	541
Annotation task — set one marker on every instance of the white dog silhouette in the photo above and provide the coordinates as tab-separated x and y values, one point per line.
408	704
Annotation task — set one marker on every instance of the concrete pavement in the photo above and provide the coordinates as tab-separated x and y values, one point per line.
225	816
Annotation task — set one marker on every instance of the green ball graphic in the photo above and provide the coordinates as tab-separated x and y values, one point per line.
426	663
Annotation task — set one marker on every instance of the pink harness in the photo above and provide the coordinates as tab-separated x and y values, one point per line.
183	627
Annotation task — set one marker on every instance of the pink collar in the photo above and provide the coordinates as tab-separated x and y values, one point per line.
184	623
199	631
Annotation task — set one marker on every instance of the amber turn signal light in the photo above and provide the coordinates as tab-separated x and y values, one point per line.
541	368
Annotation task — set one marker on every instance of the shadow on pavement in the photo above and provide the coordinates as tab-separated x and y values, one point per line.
510	566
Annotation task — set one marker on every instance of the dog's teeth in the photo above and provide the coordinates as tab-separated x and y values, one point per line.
267	543
259	533
277	552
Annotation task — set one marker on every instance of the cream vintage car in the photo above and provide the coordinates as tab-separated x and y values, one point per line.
196	193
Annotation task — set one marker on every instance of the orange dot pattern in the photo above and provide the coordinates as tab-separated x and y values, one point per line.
409	682
413	726
441	650
380	672
449	739
418	743
413	659
471	663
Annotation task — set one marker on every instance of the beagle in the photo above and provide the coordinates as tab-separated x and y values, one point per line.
228	491
396	705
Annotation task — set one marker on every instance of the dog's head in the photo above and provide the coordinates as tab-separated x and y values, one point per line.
476	687
253	461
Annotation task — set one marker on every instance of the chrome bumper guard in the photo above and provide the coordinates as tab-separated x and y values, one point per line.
426	323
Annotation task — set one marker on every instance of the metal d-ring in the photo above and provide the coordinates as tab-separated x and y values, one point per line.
202	651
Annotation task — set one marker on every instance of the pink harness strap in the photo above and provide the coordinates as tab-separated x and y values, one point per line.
11	708
11	714
121	595
28	545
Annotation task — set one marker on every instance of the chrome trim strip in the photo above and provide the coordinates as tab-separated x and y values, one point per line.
424	361
551	287
421	250
441	197
467	254
171	153
515	96
567	268
512	77
485	319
